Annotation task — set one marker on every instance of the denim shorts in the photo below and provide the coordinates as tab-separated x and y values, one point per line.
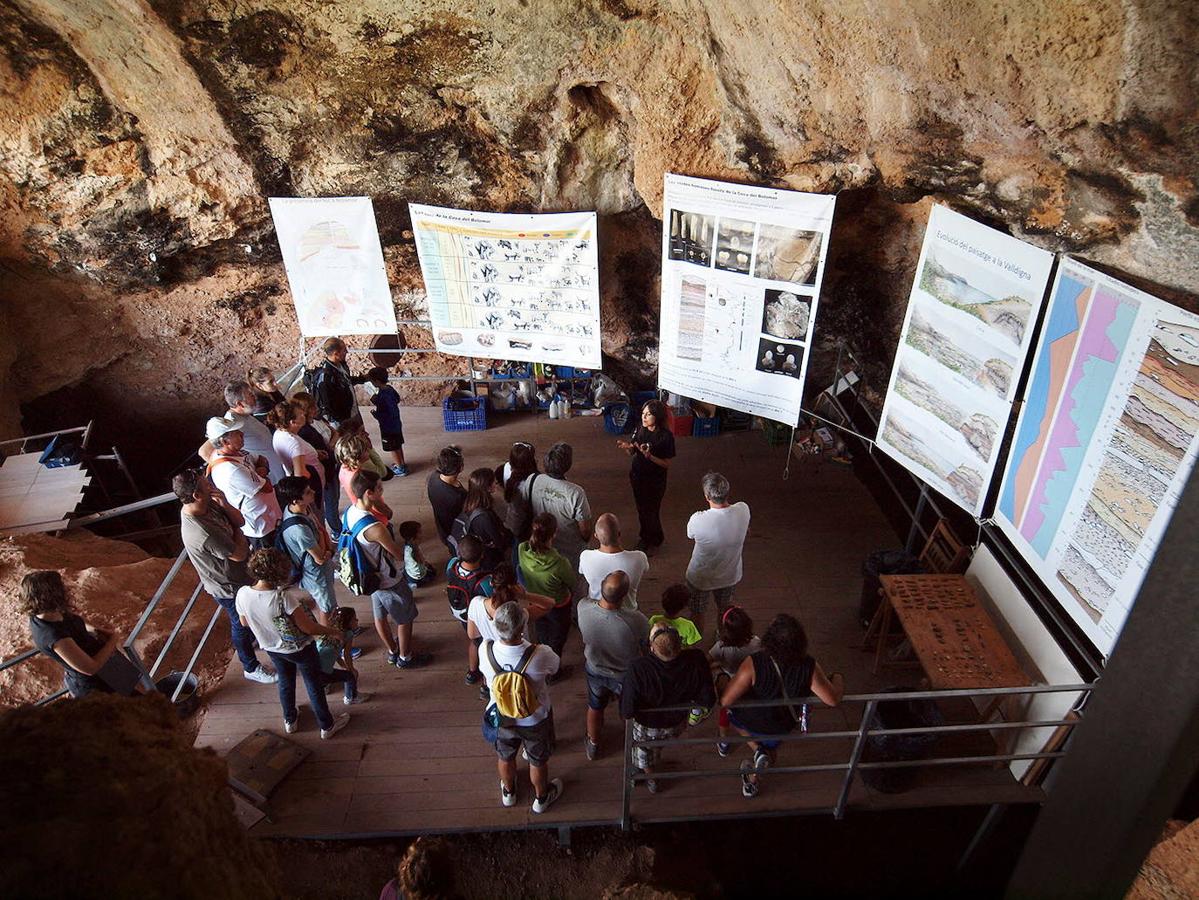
766	742
601	689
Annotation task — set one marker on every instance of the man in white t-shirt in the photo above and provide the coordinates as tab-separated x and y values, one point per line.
719	534
239	397
392	601
565	501
596	565
247	489
535	732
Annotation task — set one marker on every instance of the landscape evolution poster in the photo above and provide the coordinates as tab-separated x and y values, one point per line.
511	286
1104	443
741	274
334	265
969	322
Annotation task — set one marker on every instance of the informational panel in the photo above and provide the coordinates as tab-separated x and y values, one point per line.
1104	444
508	286
741	273
334	265
970	319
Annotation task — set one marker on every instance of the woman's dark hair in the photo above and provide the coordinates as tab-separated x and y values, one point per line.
523	460
503	584
657	409
674	599
449	461
290	489
735	628
283	414
43	592
270	565
478	490
343	616
785	640
409	530
545	526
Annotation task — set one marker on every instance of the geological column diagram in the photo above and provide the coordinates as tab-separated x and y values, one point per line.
334	265
1104	444
969	322
741	274
509	286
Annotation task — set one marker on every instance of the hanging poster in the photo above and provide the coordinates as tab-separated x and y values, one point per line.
969	322
508	286
334	265
1105	441
741	273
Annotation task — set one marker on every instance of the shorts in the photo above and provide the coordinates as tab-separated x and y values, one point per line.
393	440
538	741
766	742
320	585
395	603
648	757
699	599
601	689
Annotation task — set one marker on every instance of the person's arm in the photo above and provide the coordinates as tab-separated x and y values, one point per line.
645	451
241	545
75	657
472	630
347	655
830	689
232	513
628	694
741	683
537	604
303	620
381	536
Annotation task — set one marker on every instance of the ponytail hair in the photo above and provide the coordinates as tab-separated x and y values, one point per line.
545	527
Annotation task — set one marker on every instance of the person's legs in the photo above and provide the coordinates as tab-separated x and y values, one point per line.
644	526
654	492
540	776
554	628
397	604
308	661
699	605
286	683
342	677
383	629
404	640
243	638
332	496
507	770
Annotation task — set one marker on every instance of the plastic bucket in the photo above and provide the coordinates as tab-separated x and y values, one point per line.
189	698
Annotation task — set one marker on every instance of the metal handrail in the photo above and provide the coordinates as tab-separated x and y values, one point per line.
865	730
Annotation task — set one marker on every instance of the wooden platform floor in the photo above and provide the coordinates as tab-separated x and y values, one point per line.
412	759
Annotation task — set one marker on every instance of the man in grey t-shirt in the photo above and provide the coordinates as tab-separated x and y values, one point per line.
612	638
565	501
212	535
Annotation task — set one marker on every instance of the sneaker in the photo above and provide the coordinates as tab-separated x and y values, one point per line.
338	724
761	759
355	652
291	727
356	699
748	788
415	661
398	471
472	676
393	659
524	752
591	747
723	748
361	629
541	804
484	692
698	714
262	675
507	797
652	785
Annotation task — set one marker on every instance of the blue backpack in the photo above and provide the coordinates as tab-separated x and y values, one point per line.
354	567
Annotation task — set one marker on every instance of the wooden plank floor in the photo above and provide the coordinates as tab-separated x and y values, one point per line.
412	758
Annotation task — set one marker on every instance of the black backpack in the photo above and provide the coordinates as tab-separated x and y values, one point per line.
461	527
461	589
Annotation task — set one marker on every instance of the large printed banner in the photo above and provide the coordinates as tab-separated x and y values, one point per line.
970	319
741	273
334	265
1104	444
523	287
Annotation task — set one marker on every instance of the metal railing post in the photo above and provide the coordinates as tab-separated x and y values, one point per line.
170	641
216	613
626	797
855	756
156	599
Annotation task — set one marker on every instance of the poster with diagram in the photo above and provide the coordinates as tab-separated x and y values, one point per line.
510	286
741	273
1104	443
969	322
334	265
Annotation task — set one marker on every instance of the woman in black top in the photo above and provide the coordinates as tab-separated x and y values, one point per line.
63	636
482	520
652	449
781	670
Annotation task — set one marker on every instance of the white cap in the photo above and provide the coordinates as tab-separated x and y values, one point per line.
219	425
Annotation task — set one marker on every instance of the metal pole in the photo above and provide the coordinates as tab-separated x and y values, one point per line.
626	797
195	656
858	746
914	532
154	601
175	631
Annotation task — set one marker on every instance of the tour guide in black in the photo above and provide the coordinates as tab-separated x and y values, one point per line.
652	449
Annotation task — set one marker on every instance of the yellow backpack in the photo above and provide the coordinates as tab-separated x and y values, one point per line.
511	689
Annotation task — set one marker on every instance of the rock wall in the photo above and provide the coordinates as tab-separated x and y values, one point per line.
139	140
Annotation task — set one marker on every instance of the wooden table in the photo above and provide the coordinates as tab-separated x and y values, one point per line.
955	640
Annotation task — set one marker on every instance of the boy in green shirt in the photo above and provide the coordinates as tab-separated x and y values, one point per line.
674	599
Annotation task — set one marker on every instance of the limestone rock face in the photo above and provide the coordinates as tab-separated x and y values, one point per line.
140	139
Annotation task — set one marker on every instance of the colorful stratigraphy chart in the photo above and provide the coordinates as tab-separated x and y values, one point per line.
1104	444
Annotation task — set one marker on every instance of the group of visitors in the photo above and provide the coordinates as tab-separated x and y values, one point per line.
261	522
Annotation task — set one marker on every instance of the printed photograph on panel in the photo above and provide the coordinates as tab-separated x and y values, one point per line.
979	430
691	237
787	254
780	359
994	373
1008	314
786	315
692	299
734	244
963	480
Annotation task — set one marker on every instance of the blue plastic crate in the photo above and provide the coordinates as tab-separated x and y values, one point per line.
705	427
462	414
619	418
638	399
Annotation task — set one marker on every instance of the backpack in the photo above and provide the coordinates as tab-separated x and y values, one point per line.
354	567
297	565
511	689
460	589
312	379
519	518
461	527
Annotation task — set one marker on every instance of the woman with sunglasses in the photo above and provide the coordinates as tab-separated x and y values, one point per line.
652	449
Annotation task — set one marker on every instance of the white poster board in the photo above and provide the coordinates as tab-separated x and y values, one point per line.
1105	441
334	265
741	274
969	322
509	286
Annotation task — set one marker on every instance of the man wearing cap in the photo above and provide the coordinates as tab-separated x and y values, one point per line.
239	397
667	676
243	481
334	390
